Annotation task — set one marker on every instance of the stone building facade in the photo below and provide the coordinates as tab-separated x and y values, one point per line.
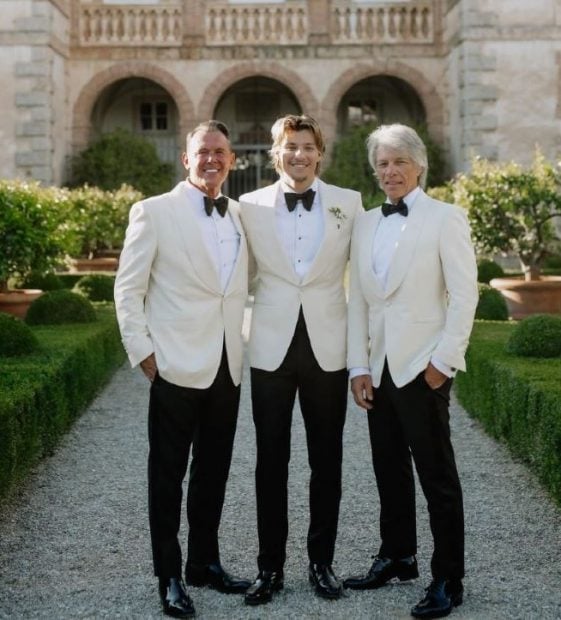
484	75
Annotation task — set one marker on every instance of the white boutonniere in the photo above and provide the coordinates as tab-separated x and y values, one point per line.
338	214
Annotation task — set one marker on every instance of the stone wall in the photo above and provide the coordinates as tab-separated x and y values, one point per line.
489	79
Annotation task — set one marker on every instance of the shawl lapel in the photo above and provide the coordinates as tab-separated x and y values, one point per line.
368	233
330	233
233	210
194	245
263	214
406	245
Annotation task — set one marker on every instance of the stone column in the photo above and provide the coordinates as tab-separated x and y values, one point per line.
40	90
476	85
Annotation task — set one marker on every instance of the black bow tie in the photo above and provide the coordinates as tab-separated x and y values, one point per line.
221	204
388	208
307	199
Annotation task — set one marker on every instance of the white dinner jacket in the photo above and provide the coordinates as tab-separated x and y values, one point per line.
428	305
168	295
279	291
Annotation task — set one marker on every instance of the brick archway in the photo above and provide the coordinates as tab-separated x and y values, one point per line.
81	119
426	91
274	71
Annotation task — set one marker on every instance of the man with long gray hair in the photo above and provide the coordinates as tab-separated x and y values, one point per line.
413	295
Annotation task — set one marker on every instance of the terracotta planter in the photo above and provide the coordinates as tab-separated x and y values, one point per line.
524	298
17	302
82	265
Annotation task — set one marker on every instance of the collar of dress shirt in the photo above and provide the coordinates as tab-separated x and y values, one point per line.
196	196
286	188
409	198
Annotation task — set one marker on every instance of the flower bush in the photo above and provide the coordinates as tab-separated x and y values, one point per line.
97	219
33	234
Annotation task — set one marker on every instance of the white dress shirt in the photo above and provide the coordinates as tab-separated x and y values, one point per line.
300	231
219	233
386	239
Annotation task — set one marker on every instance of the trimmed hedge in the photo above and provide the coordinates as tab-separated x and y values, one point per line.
96	287
57	307
45	281
41	394
538	335
518	400
491	305
16	338
487	270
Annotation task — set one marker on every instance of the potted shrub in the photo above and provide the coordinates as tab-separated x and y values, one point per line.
511	209
31	239
97	220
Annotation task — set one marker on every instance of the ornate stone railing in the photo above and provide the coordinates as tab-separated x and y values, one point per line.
128	25
382	23
282	23
267	24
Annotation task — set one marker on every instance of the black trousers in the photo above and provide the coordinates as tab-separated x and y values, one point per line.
412	422
323	399
179	418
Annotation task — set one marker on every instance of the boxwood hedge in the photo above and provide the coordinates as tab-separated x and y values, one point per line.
517	399
42	393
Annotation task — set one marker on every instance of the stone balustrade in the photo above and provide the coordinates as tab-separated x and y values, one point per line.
131	25
382	23
283	23
273	24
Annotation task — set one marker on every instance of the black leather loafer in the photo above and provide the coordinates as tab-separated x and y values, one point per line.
382	570
440	598
215	577
325	582
262	589
175	601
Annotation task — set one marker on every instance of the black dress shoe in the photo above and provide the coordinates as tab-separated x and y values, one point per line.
382	570
176	602
214	576
261	590
440	598
324	581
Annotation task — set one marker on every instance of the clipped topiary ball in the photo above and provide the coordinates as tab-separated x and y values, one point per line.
487	270
96	287
15	337
43	281
62	306
491	305
536	336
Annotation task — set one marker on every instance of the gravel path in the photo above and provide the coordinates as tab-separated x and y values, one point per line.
74	540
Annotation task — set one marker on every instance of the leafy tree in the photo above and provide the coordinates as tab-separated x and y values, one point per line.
121	157
96	219
350	168
511	209
32	235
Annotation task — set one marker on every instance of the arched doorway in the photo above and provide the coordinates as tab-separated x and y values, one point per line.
380	99
249	108
144	108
